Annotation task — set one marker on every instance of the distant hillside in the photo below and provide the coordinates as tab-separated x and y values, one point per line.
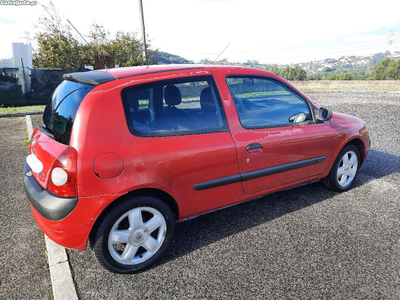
345	63
346	67
355	67
165	58
342	64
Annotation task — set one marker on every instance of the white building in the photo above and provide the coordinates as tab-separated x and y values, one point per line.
21	56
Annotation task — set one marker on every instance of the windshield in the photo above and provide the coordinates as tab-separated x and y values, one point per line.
60	112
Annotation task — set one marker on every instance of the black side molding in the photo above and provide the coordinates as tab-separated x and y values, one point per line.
217	182
281	168
256	174
49	206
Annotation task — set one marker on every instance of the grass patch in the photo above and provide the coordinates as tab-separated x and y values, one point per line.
21	109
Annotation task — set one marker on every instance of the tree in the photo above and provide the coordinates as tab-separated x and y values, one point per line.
339	76
57	47
275	69
206	61
125	47
379	69
345	76
377	58
311	77
289	73
387	69
393	70
333	76
300	74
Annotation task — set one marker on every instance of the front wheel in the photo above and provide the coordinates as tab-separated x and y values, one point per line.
134	234
344	171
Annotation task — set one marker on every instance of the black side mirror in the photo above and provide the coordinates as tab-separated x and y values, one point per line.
324	114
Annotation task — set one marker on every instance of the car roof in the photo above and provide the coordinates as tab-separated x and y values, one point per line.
142	70
105	75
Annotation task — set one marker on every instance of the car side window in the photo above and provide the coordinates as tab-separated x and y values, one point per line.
175	107
264	102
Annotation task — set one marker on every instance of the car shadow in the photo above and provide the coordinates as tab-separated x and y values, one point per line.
209	228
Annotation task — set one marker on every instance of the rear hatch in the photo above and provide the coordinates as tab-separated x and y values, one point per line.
53	137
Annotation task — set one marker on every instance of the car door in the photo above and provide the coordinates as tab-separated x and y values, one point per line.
180	143
277	139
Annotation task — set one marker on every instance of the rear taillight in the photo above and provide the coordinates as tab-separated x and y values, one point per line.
63	174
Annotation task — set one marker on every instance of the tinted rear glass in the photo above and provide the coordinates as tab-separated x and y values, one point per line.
61	109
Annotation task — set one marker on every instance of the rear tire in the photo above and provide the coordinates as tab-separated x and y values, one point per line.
134	234
344	171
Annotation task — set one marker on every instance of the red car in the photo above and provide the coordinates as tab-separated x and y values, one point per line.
125	153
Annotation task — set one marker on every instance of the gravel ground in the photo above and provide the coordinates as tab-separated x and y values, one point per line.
306	242
24	270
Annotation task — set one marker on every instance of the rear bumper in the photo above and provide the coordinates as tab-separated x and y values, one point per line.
68	223
68	232
49	206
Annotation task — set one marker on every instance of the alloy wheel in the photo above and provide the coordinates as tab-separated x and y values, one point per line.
137	235
347	168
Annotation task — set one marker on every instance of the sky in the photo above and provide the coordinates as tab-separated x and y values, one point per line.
271	32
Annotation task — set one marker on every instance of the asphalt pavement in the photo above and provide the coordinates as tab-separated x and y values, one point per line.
305	243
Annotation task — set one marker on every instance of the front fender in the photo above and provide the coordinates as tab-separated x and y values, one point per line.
349	129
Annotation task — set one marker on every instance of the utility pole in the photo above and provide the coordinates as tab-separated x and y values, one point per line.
143	31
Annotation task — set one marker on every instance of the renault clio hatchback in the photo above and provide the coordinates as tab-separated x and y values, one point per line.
125	153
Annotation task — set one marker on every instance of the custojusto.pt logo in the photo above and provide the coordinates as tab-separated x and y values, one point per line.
17	2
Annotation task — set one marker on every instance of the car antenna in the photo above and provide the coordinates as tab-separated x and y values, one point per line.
94	49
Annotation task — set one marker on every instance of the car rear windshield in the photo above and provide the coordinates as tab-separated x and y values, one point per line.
60	112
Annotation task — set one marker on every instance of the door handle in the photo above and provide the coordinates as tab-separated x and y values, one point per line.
253	147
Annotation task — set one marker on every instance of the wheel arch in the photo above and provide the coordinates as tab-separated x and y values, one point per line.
357	142
332	184
156	193
360	146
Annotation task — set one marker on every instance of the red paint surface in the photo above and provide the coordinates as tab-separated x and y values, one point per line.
108	165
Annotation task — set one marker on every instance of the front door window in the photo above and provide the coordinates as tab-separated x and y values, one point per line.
263	102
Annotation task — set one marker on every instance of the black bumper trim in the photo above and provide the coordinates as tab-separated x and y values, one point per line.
49	206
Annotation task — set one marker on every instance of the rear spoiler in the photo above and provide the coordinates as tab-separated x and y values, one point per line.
91	78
